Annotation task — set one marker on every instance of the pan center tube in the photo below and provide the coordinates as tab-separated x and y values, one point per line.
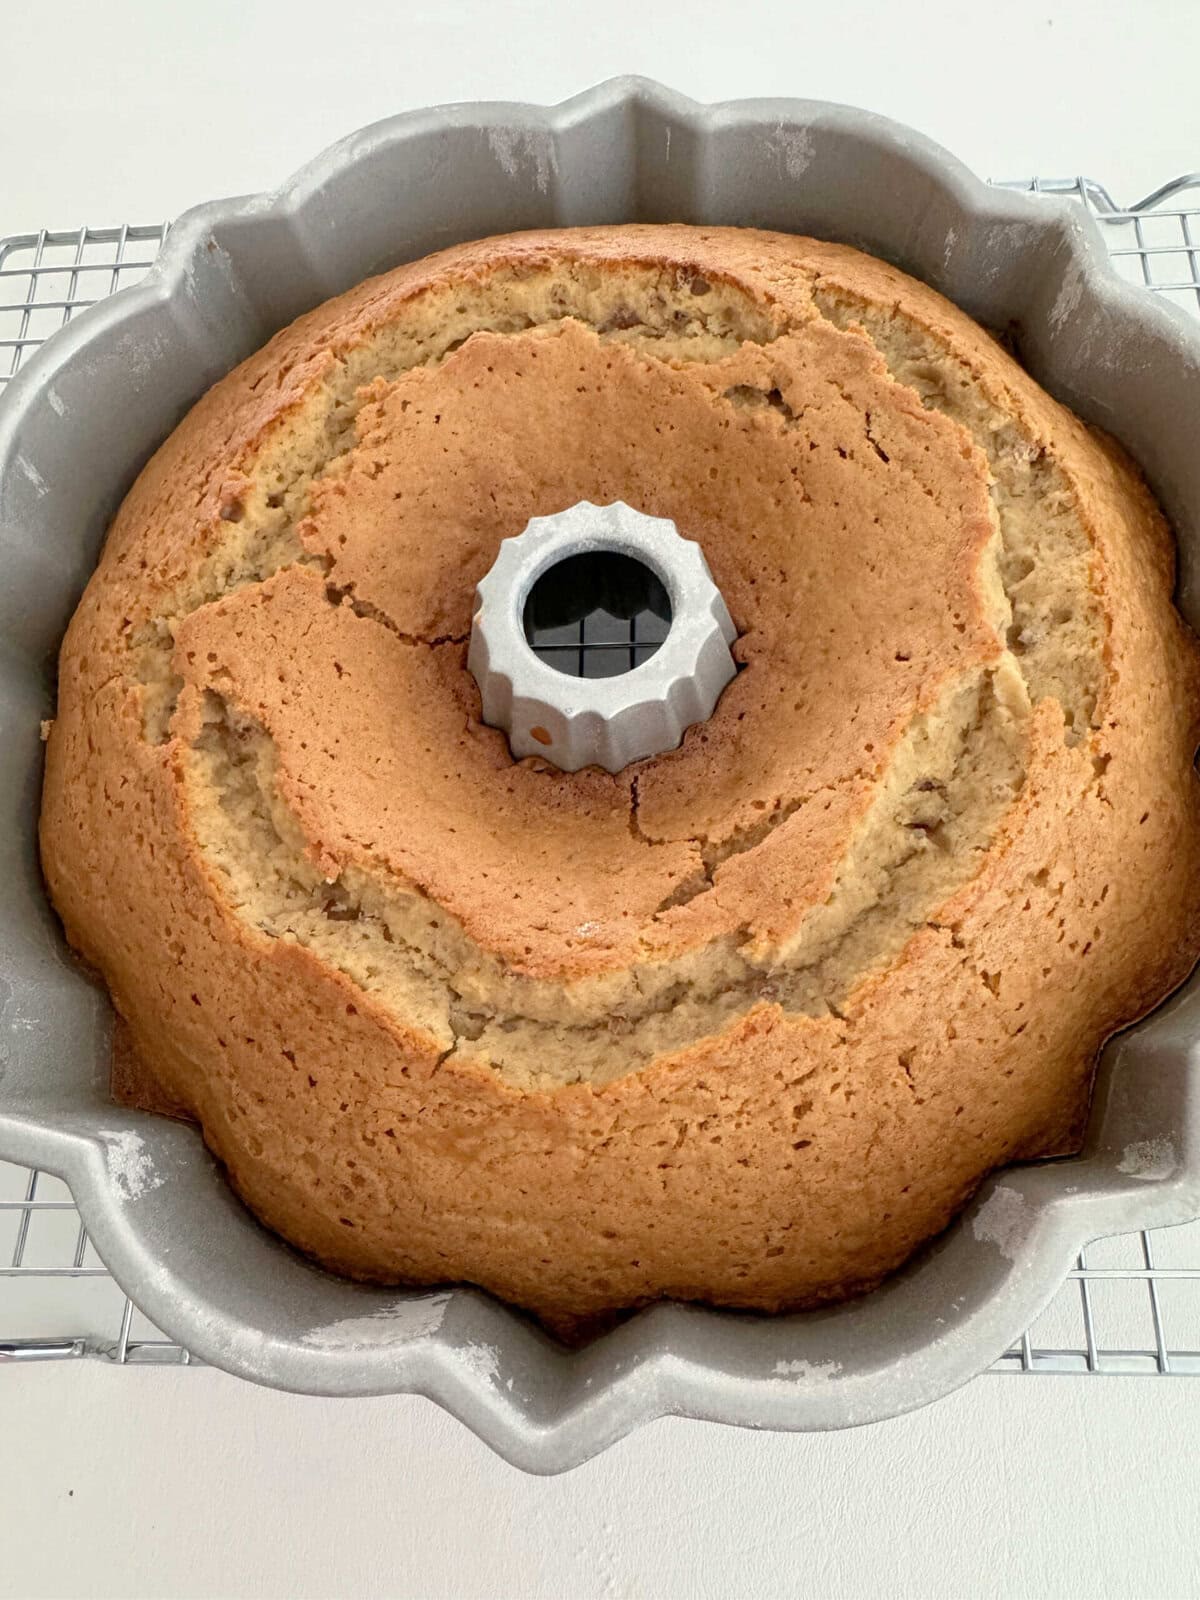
599	637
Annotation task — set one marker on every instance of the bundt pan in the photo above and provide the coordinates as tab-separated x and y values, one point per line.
75	427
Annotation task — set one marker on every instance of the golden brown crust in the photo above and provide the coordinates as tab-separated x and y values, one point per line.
748	1022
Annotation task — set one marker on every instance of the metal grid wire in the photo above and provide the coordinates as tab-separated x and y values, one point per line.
1130	1305
600	645
597	615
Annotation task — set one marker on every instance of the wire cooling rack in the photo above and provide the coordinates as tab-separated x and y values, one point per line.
1130	1305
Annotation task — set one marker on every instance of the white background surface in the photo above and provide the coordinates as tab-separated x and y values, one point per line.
187	1483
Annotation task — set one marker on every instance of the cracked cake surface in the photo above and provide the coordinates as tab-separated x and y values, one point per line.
748	1021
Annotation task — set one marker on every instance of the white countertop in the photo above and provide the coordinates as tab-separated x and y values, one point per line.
173	1483
141	1483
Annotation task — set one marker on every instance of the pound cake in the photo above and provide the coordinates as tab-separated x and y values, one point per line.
749	1021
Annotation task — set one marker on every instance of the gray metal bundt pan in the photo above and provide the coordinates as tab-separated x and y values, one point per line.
80	420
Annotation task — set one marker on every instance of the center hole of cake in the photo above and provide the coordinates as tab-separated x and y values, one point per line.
597	615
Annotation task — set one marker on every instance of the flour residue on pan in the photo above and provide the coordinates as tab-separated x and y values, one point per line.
30	472
129	1164
1069	296
483	1360
520	148
794	146
399	1323
1150	1160
800	1371
1001	1220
